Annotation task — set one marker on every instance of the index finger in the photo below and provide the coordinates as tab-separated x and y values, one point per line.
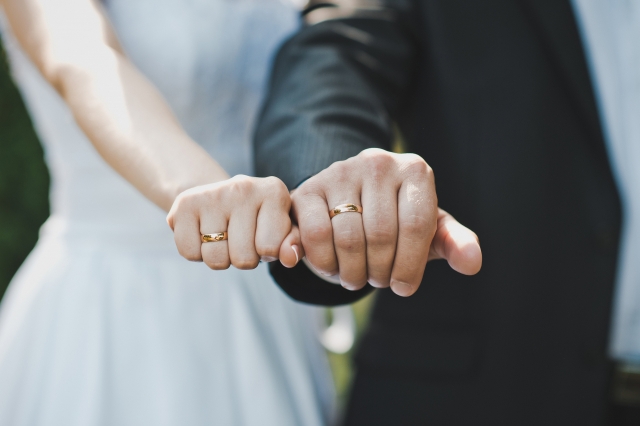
316	231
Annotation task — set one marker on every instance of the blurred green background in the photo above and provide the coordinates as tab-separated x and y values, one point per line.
24	204
342	364
24	180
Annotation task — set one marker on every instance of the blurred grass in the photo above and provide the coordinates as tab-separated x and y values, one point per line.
342	364
24	180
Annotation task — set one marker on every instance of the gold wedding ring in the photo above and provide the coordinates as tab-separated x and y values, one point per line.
214	238
344	208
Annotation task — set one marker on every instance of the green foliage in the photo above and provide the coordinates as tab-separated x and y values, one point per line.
342	364
24	180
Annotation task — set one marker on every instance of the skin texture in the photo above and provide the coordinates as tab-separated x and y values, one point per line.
400	229
129	123
253	210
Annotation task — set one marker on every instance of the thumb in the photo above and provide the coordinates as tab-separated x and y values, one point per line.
457	244
291	251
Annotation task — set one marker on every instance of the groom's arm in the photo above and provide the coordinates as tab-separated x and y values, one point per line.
334	91
335	87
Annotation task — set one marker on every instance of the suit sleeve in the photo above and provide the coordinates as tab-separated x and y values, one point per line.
334	91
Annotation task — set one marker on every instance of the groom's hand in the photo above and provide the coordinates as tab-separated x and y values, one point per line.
399	230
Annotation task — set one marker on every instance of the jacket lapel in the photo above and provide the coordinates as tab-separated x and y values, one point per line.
556	22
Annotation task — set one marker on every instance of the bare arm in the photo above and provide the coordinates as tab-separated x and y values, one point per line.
132	127
121	112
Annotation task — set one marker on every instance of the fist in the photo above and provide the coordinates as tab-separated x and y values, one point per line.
253	211
399	230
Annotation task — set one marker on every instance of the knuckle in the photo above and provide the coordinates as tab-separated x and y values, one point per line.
349	239
195	198
374	153
381	233
415	165
316	234
340	172
417	226
217	264
378	160
270	250
246	263
324	263
184	200
296	196
275	185
282	224
190	255
171	219
379	277
177	203
241	178
240	186
311	186
280	194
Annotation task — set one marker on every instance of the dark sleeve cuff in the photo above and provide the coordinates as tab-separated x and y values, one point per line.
304	286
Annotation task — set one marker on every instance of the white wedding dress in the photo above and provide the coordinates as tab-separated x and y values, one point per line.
105	324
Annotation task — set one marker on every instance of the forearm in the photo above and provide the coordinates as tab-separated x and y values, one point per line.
119	110
134	130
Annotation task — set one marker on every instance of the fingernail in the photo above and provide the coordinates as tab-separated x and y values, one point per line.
401	289
268	258
295	250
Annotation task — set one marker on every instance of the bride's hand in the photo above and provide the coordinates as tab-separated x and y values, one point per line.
253	211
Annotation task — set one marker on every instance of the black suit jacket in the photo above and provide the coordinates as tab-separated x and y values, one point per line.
495	95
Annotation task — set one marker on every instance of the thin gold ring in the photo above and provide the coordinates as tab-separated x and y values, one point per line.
214	238
344	208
